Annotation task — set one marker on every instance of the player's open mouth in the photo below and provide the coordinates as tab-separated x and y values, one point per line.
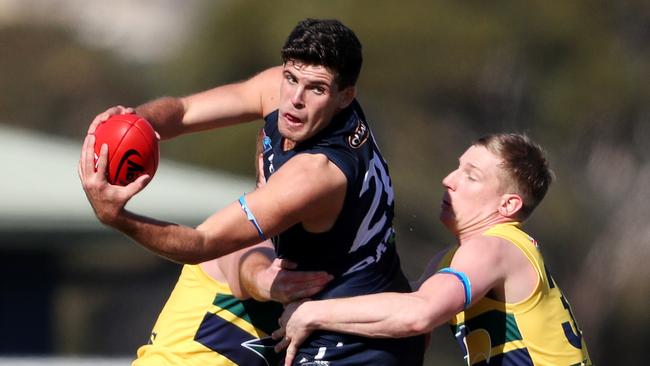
292	119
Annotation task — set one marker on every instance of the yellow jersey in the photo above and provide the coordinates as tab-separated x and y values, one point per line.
540	330
202	323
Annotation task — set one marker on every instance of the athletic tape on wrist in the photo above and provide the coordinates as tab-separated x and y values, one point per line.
464	280
250	216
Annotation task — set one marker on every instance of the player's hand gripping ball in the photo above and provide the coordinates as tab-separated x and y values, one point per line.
132	148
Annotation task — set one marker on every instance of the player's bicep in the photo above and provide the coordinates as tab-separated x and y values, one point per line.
480	262
445	297
252	218
308	189
305	189
467	280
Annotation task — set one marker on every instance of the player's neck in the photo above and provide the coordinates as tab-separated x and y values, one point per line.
473	231
288	144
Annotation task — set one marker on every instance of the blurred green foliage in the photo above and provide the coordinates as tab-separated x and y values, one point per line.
437	74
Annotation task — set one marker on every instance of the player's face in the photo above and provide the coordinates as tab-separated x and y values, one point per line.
472	192
309	99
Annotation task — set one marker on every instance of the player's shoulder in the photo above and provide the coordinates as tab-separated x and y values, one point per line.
481	248
307	172
273	73
310	165
482	242
308	188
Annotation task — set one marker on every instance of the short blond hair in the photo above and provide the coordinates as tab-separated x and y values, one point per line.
526	168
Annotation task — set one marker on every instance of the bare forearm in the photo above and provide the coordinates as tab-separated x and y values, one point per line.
165	114
178	243
386	315
252	266
265	279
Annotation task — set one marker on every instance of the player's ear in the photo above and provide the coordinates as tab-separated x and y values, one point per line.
347	96
510	204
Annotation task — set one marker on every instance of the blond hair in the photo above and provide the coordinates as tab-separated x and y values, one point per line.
526	168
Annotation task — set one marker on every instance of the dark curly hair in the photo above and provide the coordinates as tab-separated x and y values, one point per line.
329	43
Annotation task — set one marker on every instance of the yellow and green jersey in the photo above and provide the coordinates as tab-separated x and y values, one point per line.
540	330
202	323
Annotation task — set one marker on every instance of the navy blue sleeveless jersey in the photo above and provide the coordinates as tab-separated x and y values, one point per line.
359	250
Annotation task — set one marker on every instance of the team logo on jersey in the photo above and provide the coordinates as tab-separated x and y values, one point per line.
360	135
263	347
266	143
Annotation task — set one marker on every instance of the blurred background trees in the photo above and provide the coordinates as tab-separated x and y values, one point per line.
437	74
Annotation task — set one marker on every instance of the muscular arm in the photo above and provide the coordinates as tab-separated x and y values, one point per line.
398	314
256	272
218	107
391	315
308	189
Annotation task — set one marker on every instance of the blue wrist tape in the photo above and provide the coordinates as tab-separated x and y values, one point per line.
464	280
250	216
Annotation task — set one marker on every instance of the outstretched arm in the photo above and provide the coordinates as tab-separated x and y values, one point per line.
222	106
383	315
394	314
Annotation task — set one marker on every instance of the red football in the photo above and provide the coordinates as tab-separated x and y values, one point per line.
132	147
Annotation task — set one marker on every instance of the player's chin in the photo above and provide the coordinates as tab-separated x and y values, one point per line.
448	219
293	135
289	130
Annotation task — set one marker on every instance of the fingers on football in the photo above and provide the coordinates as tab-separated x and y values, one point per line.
137	185
87	165
102	162
107	113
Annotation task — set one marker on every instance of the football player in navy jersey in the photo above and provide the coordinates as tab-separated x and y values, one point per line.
328	201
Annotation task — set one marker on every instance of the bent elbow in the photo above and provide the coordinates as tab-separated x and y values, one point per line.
418	326
199	248
418	320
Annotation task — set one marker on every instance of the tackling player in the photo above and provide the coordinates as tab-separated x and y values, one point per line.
492	286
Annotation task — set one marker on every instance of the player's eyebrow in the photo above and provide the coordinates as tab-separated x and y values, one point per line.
473	166
467	165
